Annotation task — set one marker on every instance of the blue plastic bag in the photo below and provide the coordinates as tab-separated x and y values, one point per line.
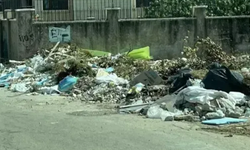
67	83
110	69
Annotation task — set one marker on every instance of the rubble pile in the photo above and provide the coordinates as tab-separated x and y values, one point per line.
165	89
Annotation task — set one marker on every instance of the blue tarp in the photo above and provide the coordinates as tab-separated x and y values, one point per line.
223	121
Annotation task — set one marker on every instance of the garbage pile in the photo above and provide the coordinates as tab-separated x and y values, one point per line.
165	89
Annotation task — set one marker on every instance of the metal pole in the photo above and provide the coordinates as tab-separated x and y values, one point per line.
3	7
13	2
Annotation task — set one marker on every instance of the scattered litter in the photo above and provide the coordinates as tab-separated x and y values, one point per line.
111	78
194	94
180	80
154	112
167	102
222	79
109	70
163	89
101	73
142	53
137	88
135	108
50	90
215	115
19	87
147	78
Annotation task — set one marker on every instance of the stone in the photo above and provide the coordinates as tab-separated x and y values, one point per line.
189	118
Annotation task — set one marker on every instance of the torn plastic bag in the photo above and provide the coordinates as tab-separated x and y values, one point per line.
239	97
221	78
154	112
141	53
199	95
111	78
19	87
50	90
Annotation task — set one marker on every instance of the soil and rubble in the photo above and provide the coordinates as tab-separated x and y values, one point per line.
164	89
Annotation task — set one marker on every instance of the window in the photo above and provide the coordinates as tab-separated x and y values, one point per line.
55	5
142	3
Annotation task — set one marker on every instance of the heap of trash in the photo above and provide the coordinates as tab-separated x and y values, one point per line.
164	89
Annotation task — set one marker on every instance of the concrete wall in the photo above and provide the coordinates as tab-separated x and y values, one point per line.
9	40
233	33
164	36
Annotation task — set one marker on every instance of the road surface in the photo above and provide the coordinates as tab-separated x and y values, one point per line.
56	123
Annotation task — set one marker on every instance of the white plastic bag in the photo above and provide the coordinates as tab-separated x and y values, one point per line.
239	97
50	90
111	78
37	61
154	112
167	116
195	94
19	87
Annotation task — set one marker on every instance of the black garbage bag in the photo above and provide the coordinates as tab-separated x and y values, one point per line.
179	81
221	78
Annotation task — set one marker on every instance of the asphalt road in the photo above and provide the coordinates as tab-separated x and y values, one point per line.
52	123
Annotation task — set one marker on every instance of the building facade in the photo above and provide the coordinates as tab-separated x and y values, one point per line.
69	10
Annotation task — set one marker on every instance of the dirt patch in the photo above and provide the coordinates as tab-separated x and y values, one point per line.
236	129
93	113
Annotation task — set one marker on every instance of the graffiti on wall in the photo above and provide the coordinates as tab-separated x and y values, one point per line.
26	37
59	34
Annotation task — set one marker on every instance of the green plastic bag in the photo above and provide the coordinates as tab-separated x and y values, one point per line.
97	53
141	53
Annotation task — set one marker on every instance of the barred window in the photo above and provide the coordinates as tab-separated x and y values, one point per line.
142	3
55	5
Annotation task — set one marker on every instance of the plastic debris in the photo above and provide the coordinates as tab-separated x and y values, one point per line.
109	70
102	72
19	87
67	84
223	121
111	78
137	83
142	53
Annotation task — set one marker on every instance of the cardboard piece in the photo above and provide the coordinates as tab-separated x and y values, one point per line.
147	78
